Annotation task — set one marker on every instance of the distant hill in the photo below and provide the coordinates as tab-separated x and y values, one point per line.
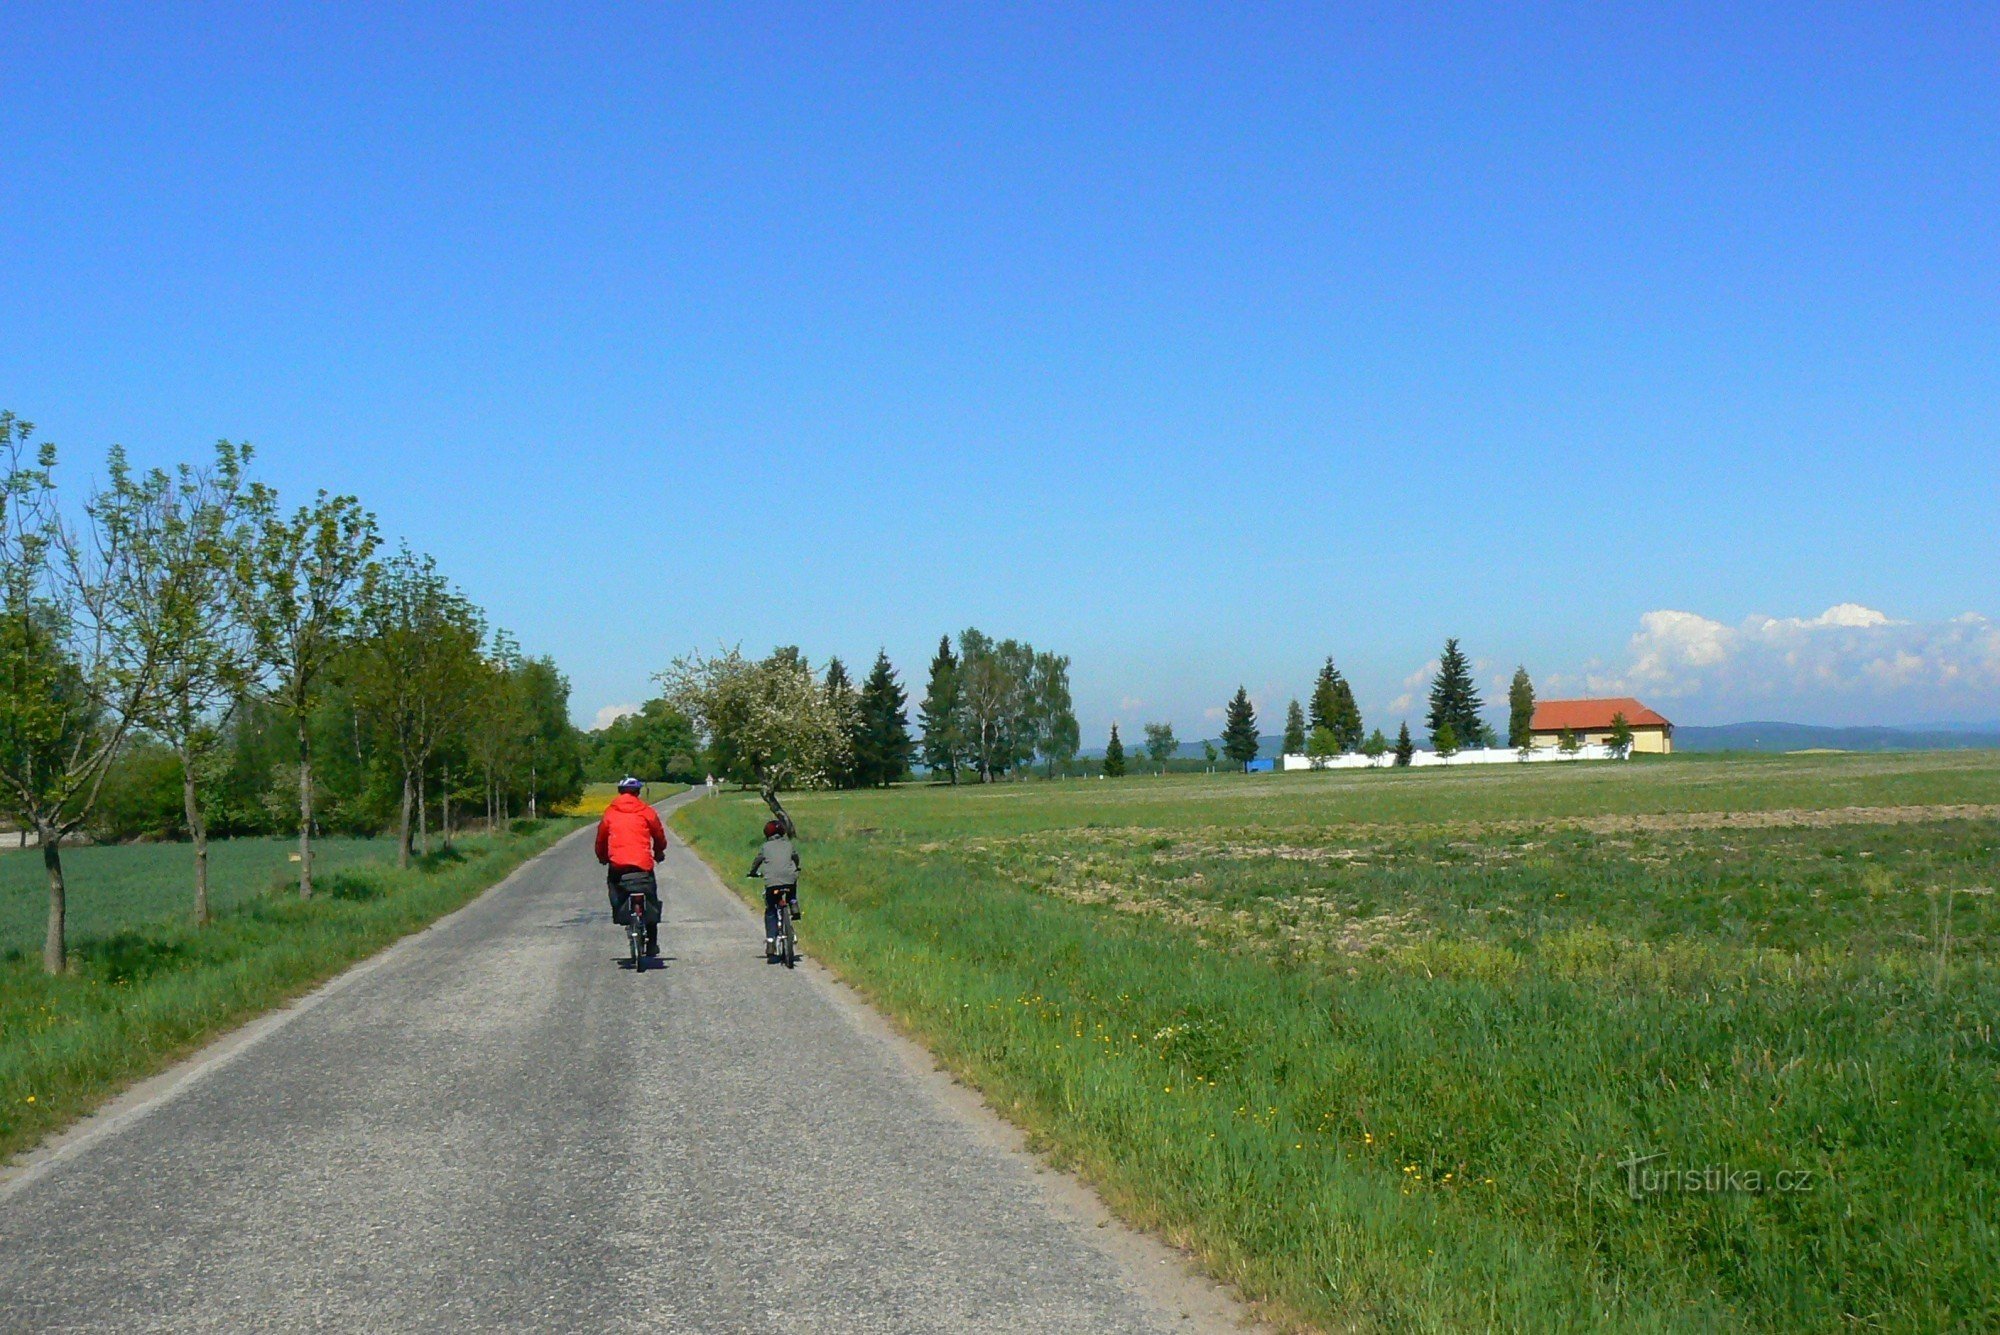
1807	737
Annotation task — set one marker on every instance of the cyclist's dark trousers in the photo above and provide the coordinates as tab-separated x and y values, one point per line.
620	882
771	893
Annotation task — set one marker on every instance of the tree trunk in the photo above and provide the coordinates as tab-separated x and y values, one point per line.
403	827
534	785
444	798
784	817
305	810
424	813
55	951
198	832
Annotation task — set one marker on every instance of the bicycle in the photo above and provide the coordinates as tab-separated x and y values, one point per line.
635	929
783	947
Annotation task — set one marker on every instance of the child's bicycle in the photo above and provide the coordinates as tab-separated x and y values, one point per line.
784	946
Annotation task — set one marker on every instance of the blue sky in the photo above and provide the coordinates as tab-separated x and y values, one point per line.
1630	343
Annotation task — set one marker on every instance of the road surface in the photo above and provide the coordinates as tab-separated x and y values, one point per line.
496	1126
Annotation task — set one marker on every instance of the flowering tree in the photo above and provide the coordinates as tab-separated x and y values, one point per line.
769	722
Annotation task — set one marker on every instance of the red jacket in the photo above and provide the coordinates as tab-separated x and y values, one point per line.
630	834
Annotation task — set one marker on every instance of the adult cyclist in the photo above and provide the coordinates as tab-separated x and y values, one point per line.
630	840
778	863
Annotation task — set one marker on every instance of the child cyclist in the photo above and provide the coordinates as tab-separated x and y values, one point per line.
778	863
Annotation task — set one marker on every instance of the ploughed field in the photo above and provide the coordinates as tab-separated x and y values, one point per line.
1682	1044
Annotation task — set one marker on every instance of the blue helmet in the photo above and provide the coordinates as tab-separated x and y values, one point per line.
628	784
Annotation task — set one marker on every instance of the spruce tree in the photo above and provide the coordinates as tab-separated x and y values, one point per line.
1346	717
1114	756
1454	699
940	715
1295	729
1324	706
1405	748
847	708
1239	731
883	756
1521	710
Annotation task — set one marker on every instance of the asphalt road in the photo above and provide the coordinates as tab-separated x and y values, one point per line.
496	1126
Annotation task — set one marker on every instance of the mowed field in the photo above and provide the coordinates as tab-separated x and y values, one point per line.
1690	1044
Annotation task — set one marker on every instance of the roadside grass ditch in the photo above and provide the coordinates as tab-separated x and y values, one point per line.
146	986
1416	1052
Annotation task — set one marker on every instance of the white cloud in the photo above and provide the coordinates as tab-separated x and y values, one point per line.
1850	660
1419	680
610	714
1131	702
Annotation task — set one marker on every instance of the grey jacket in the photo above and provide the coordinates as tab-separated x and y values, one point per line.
779	861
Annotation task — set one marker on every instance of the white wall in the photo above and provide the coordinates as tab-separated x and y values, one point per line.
1486	756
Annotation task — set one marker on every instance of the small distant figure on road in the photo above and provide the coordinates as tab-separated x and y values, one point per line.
630	841
711	785
778	863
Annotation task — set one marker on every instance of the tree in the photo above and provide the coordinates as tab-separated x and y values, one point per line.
1619	739
1057	733
417	670
1521	710
1239	729
1566	742
1161	743
1406	750
1114	756
941	716
1322	746
1455	700
1445	741
304	578
1375	747
1295	729
1208	753
885	746
1334	709
553	749
769	722
840	693
189	532
77	668
994	700
646	745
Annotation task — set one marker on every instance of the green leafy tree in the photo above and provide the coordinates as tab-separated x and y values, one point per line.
1295	729
1208	753
189	532
1566	742
552	749
941	716
1239	729
1114	756
1406	750
1521	710
1454	700
1161	743
1445	740
1056	732
1375	747
885	745
417	673
1619	739
304	576
1322	746
77	668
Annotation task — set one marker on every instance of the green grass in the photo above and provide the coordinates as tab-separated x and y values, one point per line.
1376	1044
146	986
126	886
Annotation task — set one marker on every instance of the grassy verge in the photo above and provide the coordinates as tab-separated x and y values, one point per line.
1377	1047
137	999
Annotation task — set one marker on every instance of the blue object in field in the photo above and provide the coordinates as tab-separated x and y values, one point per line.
1264	766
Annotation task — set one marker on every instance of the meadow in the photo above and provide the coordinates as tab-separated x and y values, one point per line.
146	986
1690	1044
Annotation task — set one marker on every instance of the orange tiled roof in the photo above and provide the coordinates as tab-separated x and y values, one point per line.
1593	715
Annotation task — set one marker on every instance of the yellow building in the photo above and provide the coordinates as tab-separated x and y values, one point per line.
1590	721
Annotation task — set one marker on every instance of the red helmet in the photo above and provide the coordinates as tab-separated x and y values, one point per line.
772	829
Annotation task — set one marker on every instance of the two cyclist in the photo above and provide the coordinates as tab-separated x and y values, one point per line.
630	842
778	863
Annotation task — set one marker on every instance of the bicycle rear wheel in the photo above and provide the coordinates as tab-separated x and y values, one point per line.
788	942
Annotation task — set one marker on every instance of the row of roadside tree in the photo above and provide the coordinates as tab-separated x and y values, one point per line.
181	634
